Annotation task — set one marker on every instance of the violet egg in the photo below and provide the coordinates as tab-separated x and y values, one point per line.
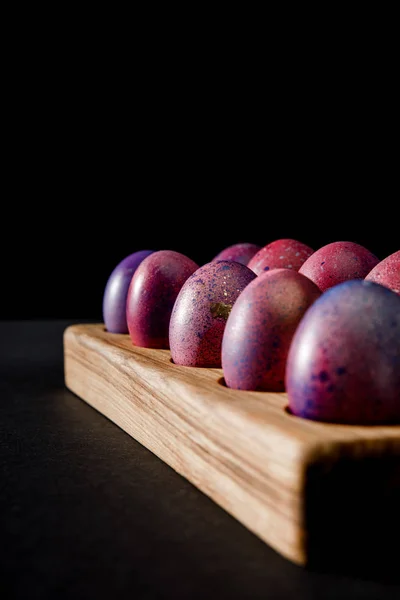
154	288
338	262
116	292
260	329
344	361
201	310
280	254
241	253
387	272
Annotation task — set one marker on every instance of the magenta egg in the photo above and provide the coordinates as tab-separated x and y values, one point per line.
201	310
260	329
241	253
116	292
387	272
344	360
280	254
153	290
338	262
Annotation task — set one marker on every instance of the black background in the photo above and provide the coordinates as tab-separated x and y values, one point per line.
109	151
58	257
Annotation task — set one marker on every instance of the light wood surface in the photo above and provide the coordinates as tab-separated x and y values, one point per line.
270	470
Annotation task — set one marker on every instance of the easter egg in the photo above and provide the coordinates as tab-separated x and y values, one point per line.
280	254
387	272
201	310
260	328
153	290
241	253
116	292
338	262
344	360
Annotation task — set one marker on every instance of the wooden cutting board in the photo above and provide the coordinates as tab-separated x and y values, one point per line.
315	492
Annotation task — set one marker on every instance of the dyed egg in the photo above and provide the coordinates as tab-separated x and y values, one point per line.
241	253
344	361
201	310
116	292
338	262
260	329
387	272
280	254
153	290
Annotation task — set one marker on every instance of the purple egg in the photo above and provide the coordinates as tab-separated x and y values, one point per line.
241	253
201	310
116	292
344	361
152	294
260	329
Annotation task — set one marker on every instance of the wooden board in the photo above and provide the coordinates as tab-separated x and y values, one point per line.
310	490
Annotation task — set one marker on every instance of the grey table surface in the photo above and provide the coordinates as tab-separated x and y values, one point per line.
87	512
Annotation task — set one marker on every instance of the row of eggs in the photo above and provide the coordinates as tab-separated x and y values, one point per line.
323	325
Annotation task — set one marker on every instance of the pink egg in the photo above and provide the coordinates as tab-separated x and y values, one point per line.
260	328
153	290
338	262
201	310
241	253
387	272
280	254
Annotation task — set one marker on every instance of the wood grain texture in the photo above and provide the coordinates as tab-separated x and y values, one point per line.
299	485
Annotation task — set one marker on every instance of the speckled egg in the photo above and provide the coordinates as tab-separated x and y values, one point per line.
338	262
280	254
201	310
116	292
260	329
344	361
241	253
153	290
387	272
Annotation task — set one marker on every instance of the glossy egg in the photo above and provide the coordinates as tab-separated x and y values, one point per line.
338	262
387	272
116	292
260	329
344	361
201	310
241	253
153	290
280	254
